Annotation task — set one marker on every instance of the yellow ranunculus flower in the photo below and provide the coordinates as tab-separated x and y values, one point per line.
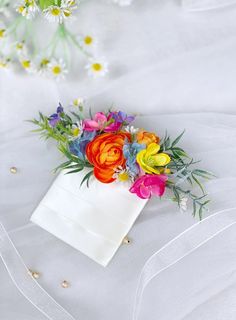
150	160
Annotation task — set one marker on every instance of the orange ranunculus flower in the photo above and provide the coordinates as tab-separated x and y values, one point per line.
145	137
105	153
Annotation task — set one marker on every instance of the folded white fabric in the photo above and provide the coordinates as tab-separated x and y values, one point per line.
206	4
93	220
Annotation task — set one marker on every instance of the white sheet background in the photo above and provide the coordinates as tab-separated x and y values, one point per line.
176	67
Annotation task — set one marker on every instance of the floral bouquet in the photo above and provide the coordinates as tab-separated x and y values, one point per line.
113	162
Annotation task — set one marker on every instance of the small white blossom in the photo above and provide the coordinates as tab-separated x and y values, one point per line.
4	62
57	69
28	8
27	64
77	130
78	102
88	41
97	67
2	32
123	174
131	129
60	13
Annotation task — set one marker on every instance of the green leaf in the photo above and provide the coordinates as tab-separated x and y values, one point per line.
86	178
198	183
47	3
75	171
177	139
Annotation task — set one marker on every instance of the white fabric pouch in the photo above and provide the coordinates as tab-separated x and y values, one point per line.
206	4
93	220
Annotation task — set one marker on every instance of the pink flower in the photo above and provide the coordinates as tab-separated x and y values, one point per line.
149	184
100	121
97	123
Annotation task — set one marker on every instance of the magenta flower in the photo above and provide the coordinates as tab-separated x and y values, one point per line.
111	123
97	123
148	185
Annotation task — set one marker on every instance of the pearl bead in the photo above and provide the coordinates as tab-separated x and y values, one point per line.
34	274
65	284
13	170
126	240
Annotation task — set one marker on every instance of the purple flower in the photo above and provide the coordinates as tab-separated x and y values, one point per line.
56	117
121	117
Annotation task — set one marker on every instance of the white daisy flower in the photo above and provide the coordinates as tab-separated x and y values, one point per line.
60	13
57	68
123	174
88	41
97	67
4	62
77	130
43	65
78	102
123	3
21	48
54	14
28	8
2	33
132	129
27	64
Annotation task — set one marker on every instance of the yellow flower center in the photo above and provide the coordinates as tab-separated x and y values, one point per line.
123	176
56	70
76	132
21	9
19	46
25	64
97	67
3	64
55	12
67	13
2	33
44	62
88	40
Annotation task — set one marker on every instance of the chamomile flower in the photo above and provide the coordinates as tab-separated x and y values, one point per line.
27	64
2	33
21	48
131	129
60	13
123	3
43	65
88	41
123	174
57	68
28	8
97	67
78	102
77	130
4	62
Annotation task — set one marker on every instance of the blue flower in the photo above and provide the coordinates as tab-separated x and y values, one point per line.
78	146
130	151
56	117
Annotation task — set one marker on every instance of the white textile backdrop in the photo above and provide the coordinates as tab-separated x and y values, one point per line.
175	68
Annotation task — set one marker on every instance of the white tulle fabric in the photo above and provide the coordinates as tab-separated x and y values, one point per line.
199	5
202	242
178	70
